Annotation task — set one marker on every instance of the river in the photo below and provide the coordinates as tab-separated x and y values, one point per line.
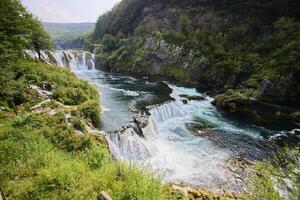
183	141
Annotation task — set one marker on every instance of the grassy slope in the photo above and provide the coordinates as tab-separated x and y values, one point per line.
41	155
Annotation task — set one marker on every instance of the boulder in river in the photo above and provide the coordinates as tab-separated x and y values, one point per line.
190	98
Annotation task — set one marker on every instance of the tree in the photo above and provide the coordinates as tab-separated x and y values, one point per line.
15	30
40	39
184	22
18	31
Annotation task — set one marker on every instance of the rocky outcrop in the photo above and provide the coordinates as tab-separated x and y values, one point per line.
283	88
156	53
192	98
232	101
191	193
160	14
43	93
139	122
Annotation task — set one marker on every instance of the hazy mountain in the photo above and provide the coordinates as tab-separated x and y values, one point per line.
68	35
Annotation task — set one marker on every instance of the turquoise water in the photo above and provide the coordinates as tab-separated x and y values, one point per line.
197	156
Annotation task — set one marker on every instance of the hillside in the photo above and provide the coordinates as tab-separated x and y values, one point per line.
68	35
224	44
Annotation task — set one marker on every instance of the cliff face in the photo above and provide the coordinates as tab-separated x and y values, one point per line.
130	15
211	43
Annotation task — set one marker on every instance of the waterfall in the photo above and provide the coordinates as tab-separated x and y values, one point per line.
72	59
168	146
128	145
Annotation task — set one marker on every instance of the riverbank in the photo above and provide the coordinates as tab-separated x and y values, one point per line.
49	148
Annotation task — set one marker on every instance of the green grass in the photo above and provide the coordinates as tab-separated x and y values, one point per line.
37	163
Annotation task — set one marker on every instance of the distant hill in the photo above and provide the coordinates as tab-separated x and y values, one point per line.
68	35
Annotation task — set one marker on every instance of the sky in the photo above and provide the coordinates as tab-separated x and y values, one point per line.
68	11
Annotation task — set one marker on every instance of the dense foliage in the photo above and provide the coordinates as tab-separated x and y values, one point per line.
18	31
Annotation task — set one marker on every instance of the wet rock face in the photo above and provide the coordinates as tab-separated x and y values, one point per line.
283	88
286	137
208	78
139	122
156	54
165	14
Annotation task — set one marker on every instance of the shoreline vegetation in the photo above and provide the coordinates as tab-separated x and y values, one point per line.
50	147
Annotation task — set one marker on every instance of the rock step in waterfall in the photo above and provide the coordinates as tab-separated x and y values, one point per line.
72	59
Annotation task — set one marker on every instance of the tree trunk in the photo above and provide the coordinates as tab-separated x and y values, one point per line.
39	54
2	197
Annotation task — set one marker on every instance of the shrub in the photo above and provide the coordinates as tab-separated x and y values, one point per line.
91	110
69	95
77	123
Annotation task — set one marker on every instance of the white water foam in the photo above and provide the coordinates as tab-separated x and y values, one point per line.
169	148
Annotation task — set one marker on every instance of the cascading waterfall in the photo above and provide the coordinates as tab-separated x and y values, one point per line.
169	148
72	59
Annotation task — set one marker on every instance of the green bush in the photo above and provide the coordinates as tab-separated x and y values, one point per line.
91	110
69	95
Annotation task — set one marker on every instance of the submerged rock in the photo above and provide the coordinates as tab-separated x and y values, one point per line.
191	98
198	129
239	167
139	122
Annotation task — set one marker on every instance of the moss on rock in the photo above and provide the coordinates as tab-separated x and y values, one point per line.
232	100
